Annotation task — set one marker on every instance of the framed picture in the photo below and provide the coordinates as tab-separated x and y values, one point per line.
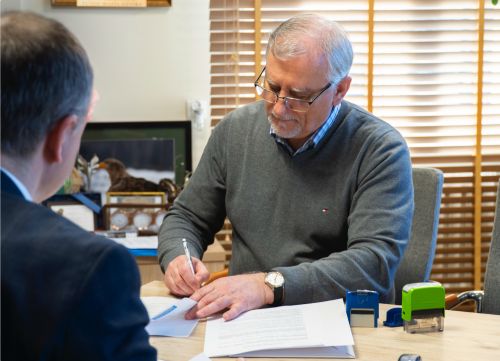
153	150
86	214
137	198
112	3
135	211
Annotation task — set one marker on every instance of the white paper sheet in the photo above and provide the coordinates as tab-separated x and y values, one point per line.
142	242
166	316
76	213
312	330
200	357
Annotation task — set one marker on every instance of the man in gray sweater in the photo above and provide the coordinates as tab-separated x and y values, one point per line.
318	191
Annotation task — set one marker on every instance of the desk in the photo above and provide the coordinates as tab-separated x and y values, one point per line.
467	336
150	270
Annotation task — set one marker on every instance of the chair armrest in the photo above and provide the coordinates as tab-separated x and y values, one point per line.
453	300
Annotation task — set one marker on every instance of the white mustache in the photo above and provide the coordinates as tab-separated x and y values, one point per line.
273	117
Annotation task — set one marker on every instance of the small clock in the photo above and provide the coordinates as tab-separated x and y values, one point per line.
160	215
142	220
118	220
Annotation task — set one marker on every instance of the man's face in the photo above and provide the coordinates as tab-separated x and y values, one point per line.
301	77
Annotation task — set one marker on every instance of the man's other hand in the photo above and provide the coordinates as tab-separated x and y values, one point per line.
237	294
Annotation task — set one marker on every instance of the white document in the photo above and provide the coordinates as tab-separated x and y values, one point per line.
79	214
200	357
166	316
143	242
311	330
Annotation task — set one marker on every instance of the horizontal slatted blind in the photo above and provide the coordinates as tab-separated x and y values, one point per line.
490	168
232	55
425	83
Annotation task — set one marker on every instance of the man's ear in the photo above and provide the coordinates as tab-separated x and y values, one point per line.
57	138
341	90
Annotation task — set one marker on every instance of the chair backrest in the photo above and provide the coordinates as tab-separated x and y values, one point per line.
491	300
417	261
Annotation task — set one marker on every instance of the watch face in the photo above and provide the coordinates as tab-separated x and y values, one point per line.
142	220
118	220
275	279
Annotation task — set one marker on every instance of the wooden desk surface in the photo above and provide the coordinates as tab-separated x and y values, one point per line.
466	336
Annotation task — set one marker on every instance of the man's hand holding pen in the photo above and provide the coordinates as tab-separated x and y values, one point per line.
233	295
185	274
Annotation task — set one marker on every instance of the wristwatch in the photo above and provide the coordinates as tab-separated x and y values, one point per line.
276	282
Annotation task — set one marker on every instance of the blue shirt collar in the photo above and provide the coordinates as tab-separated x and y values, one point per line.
314	139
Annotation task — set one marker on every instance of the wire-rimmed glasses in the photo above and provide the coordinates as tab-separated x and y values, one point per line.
294	104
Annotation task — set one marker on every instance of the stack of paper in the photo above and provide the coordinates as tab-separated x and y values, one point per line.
166	316
311	330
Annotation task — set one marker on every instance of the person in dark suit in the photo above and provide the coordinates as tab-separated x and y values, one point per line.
66	294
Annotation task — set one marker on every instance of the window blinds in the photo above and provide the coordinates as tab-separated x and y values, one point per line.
431	68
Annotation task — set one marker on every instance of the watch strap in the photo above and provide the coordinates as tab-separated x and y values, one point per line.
278	296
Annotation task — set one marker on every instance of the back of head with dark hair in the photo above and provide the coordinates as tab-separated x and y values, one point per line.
45	75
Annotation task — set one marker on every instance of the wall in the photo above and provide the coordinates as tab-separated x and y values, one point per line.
10	5
147	62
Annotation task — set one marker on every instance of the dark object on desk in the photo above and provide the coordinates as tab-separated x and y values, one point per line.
362	308
409	357
393	318
125	234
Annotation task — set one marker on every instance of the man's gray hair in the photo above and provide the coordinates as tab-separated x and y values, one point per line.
293	38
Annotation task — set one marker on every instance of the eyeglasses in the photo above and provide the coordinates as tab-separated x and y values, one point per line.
294	104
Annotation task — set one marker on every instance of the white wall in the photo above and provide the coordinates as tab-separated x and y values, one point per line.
8	5
147	62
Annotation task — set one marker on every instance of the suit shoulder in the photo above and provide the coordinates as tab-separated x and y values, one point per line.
35	228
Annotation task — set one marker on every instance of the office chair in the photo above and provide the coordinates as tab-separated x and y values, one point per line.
417	261
487	300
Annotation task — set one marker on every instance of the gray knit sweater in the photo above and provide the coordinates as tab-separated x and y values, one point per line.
334	218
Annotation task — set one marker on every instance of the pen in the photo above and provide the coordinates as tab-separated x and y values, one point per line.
164	313
188	255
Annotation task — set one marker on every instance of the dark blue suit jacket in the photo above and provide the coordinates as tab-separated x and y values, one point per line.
66	294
